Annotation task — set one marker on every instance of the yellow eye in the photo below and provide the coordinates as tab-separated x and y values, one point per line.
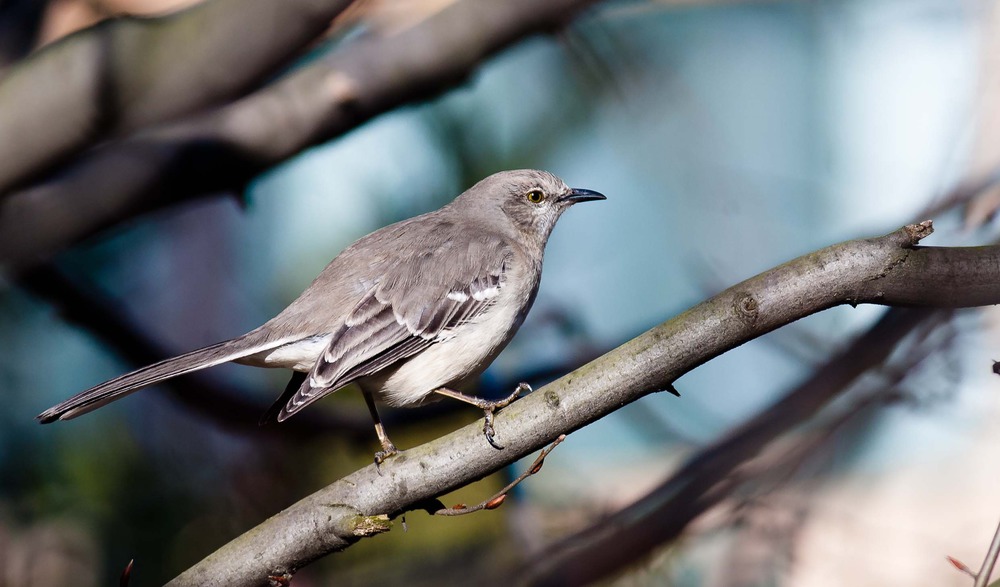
535	196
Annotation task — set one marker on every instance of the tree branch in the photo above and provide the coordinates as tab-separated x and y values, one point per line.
497	499
225	148
127	73
708	476
702	482
884	270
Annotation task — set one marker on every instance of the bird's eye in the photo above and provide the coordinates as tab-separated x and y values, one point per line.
535	196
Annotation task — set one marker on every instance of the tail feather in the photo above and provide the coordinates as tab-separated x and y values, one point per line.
109	391
273	413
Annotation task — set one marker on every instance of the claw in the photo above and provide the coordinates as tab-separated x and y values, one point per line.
488	407
488	430
382	455
492	407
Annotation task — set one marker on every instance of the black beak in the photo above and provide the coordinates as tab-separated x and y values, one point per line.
577	195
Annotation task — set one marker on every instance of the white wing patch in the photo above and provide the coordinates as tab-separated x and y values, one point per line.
485	294
458	296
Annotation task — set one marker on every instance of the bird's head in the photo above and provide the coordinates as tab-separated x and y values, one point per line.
531	200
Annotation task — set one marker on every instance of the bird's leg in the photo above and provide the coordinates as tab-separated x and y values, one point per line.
388	448
488	407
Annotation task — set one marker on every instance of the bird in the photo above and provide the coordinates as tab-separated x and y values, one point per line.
409	312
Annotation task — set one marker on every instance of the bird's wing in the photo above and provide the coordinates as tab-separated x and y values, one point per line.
414	304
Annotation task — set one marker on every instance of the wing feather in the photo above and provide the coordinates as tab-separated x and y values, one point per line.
416	303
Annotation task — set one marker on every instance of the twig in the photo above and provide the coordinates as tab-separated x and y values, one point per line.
126	577
498	498
964	568
983	577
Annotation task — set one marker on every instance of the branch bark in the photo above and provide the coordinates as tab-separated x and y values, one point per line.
709	476
128	73
224	148
663	514
888	270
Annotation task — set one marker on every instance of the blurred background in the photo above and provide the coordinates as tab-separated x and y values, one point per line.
729	137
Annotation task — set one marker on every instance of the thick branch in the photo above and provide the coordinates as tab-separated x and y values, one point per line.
886	270
662	515
225	148
129	72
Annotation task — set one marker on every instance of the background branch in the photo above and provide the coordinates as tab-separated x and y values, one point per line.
885	270
227	404
985	571
222	149
19	20
127	73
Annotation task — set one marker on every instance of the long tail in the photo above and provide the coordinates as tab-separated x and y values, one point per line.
109	391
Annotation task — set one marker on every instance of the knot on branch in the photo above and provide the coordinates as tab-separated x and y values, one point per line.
279	577
364	526
747	308
916	232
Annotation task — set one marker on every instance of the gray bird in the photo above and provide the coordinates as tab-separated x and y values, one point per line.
409	311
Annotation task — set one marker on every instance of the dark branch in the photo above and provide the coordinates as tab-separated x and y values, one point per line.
128	73
225	148
202	393
19	25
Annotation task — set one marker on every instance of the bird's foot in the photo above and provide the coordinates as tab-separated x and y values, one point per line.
388	449
489	408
